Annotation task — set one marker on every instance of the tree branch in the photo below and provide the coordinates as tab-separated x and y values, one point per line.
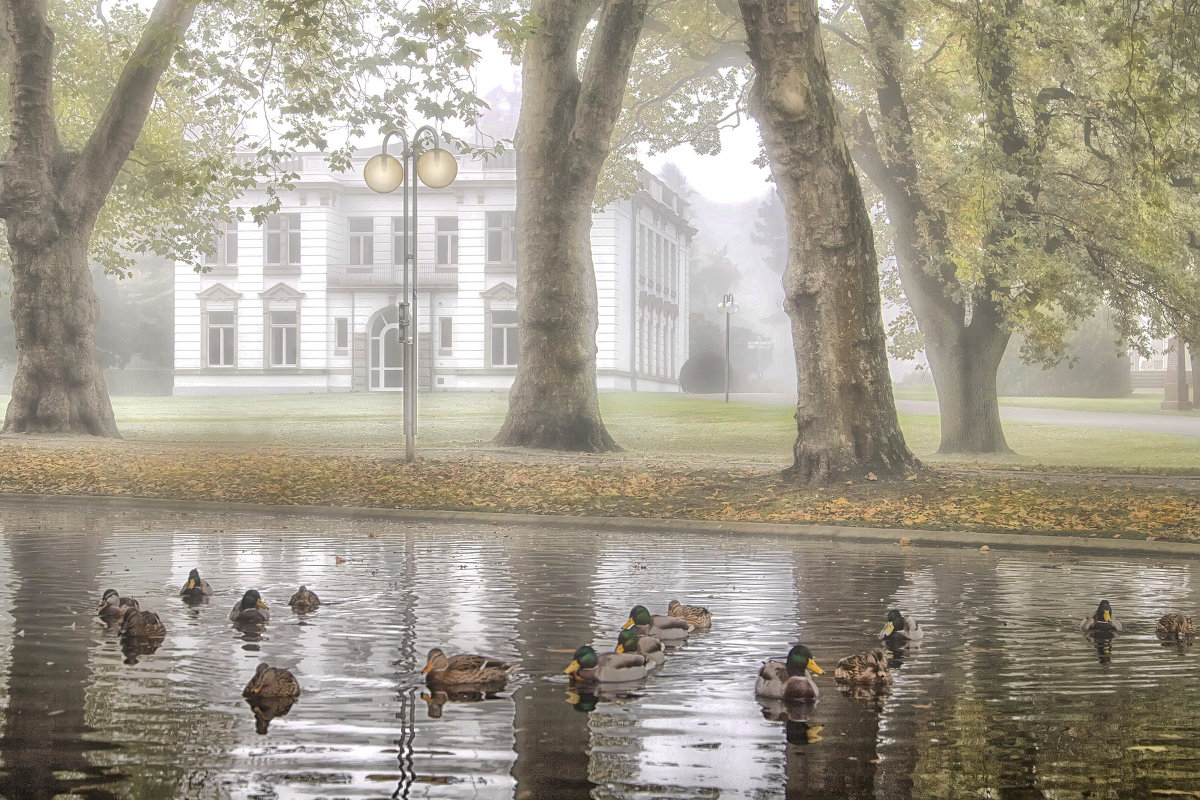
607	73
118	129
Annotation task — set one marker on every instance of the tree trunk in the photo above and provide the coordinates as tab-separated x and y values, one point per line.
964	355
50	198
59	386
964	361
845	414
562	140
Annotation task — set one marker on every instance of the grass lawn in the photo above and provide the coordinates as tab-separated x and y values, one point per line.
648	426
1140	402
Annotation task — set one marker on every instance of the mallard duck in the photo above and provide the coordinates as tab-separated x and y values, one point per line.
196	587
865	670
696	616
140	624
628	641
271	681
588	667
1101	620
1174	626
900	631
250	610
665	629
789	678
304	600
465	669
112	606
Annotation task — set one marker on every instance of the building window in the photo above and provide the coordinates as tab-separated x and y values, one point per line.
445	334
397	240
447	241
362	242
283	239
224	247
501	237
504	338
221	337
341	333
284	330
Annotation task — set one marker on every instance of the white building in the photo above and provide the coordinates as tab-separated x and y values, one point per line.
308	302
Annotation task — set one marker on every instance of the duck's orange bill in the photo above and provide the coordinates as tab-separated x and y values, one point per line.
813	668
627	624
571	670
620	648
428	667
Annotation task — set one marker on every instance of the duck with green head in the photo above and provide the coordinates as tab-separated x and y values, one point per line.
195	589
587	666
628	641
250	610
900	631
789	678
1101	620
663	628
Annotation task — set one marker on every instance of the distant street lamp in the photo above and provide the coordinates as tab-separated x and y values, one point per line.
727	306
384	173
760	345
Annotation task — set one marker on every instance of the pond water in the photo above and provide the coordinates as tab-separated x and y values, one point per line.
1005	699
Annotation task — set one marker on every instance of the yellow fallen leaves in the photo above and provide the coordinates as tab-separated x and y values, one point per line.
625	487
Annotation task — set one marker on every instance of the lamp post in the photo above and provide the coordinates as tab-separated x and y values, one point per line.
384	173
727	306
760	345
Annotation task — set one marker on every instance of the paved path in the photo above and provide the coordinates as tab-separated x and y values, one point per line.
1150	423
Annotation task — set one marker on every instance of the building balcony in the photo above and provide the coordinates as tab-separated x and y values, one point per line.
389	276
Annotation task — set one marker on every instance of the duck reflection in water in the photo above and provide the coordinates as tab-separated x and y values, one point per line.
1103	642
132	647
585	697
436	699
266	709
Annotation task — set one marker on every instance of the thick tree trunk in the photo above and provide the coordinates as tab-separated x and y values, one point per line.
964	361
59	386
845	414
50	198
562	140
964	355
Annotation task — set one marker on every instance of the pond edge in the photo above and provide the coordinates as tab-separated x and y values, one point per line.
805	531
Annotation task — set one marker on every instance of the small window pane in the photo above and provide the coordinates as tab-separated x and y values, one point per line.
360	224
446	334
217	317
504	317
341	335
283	317
512	346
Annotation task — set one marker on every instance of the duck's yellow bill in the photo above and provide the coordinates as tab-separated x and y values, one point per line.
620	648
428	667
191	584
887	629
813	668
260	604
1107	616
627	624
571	670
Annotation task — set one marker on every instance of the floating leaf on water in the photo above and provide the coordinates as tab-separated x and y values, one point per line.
1149	748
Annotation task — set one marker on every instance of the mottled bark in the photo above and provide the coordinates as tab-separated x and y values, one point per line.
964	350
845	414
562	140
50	198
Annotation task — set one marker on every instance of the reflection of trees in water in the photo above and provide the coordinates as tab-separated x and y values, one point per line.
554	601
48	675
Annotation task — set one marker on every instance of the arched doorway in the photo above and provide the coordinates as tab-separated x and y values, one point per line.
385	361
